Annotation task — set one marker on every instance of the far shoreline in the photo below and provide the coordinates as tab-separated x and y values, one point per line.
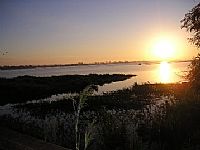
17	67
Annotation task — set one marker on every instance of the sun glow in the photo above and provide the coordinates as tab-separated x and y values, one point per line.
163	49
165	72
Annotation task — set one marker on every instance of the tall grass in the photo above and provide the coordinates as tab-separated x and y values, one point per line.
144	117
78	105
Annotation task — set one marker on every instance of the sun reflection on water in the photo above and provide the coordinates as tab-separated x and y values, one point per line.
165	72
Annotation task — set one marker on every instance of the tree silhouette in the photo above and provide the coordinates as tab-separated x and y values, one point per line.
191	22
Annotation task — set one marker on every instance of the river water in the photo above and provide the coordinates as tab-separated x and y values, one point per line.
153	73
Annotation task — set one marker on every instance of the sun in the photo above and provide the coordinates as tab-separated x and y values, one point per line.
163	49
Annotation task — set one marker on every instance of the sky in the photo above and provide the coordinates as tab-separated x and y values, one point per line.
36	32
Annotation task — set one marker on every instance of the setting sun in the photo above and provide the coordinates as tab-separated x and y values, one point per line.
163	49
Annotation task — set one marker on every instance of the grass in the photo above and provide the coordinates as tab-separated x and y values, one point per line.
25	88
135	98
178	127
143	117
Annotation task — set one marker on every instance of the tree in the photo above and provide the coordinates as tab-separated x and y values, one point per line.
194	73
191	22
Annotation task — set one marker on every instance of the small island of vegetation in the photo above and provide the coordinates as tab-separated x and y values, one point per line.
26	88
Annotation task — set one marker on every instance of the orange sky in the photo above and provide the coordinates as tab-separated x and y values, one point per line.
64	32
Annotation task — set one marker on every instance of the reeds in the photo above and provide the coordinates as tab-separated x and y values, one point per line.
144	117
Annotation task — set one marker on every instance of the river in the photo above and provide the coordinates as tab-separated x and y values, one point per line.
163	72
